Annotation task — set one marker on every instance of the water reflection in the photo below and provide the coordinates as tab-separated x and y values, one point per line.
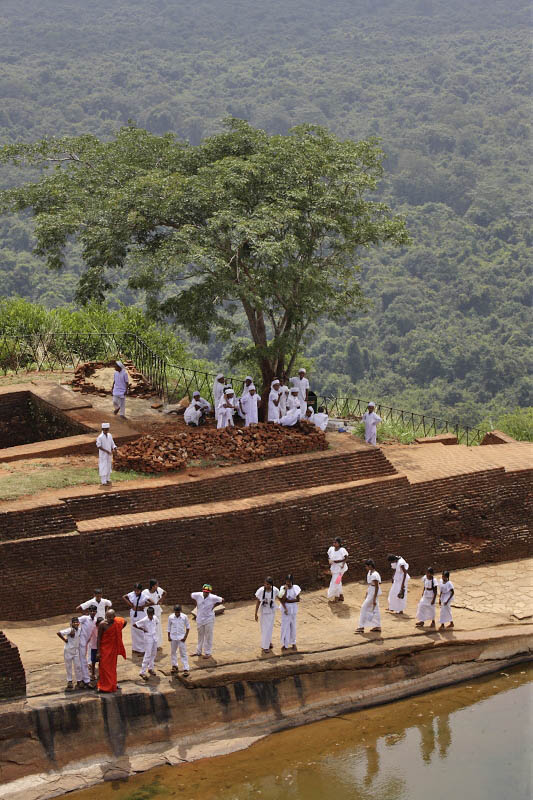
401	751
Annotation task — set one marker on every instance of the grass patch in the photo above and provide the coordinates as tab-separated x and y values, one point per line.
389	432
517	423
19	483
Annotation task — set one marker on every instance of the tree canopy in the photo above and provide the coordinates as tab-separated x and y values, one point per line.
270	225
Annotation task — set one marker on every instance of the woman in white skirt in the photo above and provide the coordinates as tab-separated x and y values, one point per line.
289	597
265	612
337	556
400	579
370	616
446	593
426	606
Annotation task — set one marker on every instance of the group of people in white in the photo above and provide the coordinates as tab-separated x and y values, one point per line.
145	605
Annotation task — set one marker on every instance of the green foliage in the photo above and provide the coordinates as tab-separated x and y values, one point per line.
389	432
517	423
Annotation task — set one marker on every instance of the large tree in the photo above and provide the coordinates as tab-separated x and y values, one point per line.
271	226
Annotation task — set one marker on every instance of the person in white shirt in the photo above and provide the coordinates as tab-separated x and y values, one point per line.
309	414
193	414
87	630
154	597
371	421
248	381
302	384
321	418
291	417
226	409
106	446
337	556
218	391
71	652
101	603
289	597
273	401
284	392
151	627
370	616
426	606
265	612
205	618
249	404
293	400
398	591
202	402
136	600
121	382
178	627
445	600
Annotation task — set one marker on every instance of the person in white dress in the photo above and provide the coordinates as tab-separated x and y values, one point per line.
202	402
309	414
154	597
426	606
121	382
321	419
273	414
284	392
226	409
178	628
445	600
101	603
337	556
293	400
106	446
87	629
249	405
400	580
302	384
151	627
218	391
136	601
71	652
370	616
205	618
289	597
291	417
371	421
265	612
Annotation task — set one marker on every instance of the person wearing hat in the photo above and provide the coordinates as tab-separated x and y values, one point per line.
321	418
309	415
205	618
106	446
302	384
218	391
121	382
249	405
284	392
202	402
151	626
371	421
226	408
293	400
273	401
292	416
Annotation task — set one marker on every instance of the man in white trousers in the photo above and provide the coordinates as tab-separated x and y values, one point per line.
87	628
106	446
371	421
289	597
150	625
205	618
178	628
265	612
249	404
71	652
121	382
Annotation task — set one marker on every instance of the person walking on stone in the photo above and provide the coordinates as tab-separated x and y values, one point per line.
106	447
71	653
445	600
337	556
370	616
178	628
371	421
265	612
205	618
121	382
398	591
426	606
289	597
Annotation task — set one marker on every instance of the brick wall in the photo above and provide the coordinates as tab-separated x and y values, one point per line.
455	522
12	675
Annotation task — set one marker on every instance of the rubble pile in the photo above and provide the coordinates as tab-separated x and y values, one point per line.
169	452
97	377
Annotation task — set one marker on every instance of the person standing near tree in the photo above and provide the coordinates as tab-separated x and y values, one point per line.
106	447
226	409
109	647
249	404
293	400
302	384
218	391
284	392
371	421
121	382
273	401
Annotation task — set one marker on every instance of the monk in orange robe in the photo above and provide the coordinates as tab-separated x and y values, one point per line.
109	647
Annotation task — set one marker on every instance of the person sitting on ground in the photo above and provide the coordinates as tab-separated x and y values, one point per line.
205	404
309	414
371	421
321	418
150	625
106	447
71	653
273	401
121	382
302	384
218	391
292	417
178	628
194	414
249	406
445	600
426	606
226	409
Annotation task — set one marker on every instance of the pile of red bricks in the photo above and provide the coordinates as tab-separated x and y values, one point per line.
81	382
169	452
12	675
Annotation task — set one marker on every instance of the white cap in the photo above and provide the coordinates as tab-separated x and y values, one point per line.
194	394
372	403
219	376
228	390
276	380
119	364
105	425
249	378
251	386
302	369
310	408
294	389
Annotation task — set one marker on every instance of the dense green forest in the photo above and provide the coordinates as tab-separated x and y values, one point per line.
445	87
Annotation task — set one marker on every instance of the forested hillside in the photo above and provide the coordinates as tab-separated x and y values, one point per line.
444	85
